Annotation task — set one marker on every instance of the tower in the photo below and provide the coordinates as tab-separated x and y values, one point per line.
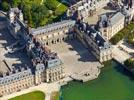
21	15
11	16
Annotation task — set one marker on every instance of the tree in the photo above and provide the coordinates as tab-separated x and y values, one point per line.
16	3
39	12
130	38
51	4
5	6
27	15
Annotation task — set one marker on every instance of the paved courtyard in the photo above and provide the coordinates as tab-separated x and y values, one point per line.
75	56
94	19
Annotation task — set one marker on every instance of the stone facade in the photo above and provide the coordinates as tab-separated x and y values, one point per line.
46	65
54	74
93	40
54	33
110	26
14	15
86	7
43	60
16	80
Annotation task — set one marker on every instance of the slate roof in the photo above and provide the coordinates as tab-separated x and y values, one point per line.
117	17
53	27
94	35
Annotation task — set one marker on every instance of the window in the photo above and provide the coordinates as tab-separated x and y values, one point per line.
105	30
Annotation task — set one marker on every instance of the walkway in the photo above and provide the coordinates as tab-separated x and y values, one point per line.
120	55
58	5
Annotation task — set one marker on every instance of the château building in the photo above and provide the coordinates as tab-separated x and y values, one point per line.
55	32
110	25
46	66
94	41
86	8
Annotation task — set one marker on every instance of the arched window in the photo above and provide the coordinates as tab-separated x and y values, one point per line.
58	40
52	42
46	43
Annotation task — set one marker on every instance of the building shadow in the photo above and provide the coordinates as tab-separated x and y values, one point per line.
5	35
85	55
21	56
2	18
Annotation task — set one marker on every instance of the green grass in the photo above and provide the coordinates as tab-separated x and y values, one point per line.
61	9
112	84
36	95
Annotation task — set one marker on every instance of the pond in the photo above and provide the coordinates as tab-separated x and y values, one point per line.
114	83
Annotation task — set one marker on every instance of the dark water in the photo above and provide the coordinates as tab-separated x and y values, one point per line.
114	83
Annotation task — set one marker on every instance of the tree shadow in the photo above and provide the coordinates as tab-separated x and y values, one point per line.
121	69
128	45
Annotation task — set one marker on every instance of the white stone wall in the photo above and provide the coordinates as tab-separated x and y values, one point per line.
54	74
55	37
101	55
17	85
110	31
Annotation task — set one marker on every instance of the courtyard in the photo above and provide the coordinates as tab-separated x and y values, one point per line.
95	18
75	56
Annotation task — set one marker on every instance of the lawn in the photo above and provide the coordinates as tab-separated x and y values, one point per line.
36	95
114	83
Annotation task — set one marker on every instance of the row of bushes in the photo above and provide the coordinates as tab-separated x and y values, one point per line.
130	39
123	33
